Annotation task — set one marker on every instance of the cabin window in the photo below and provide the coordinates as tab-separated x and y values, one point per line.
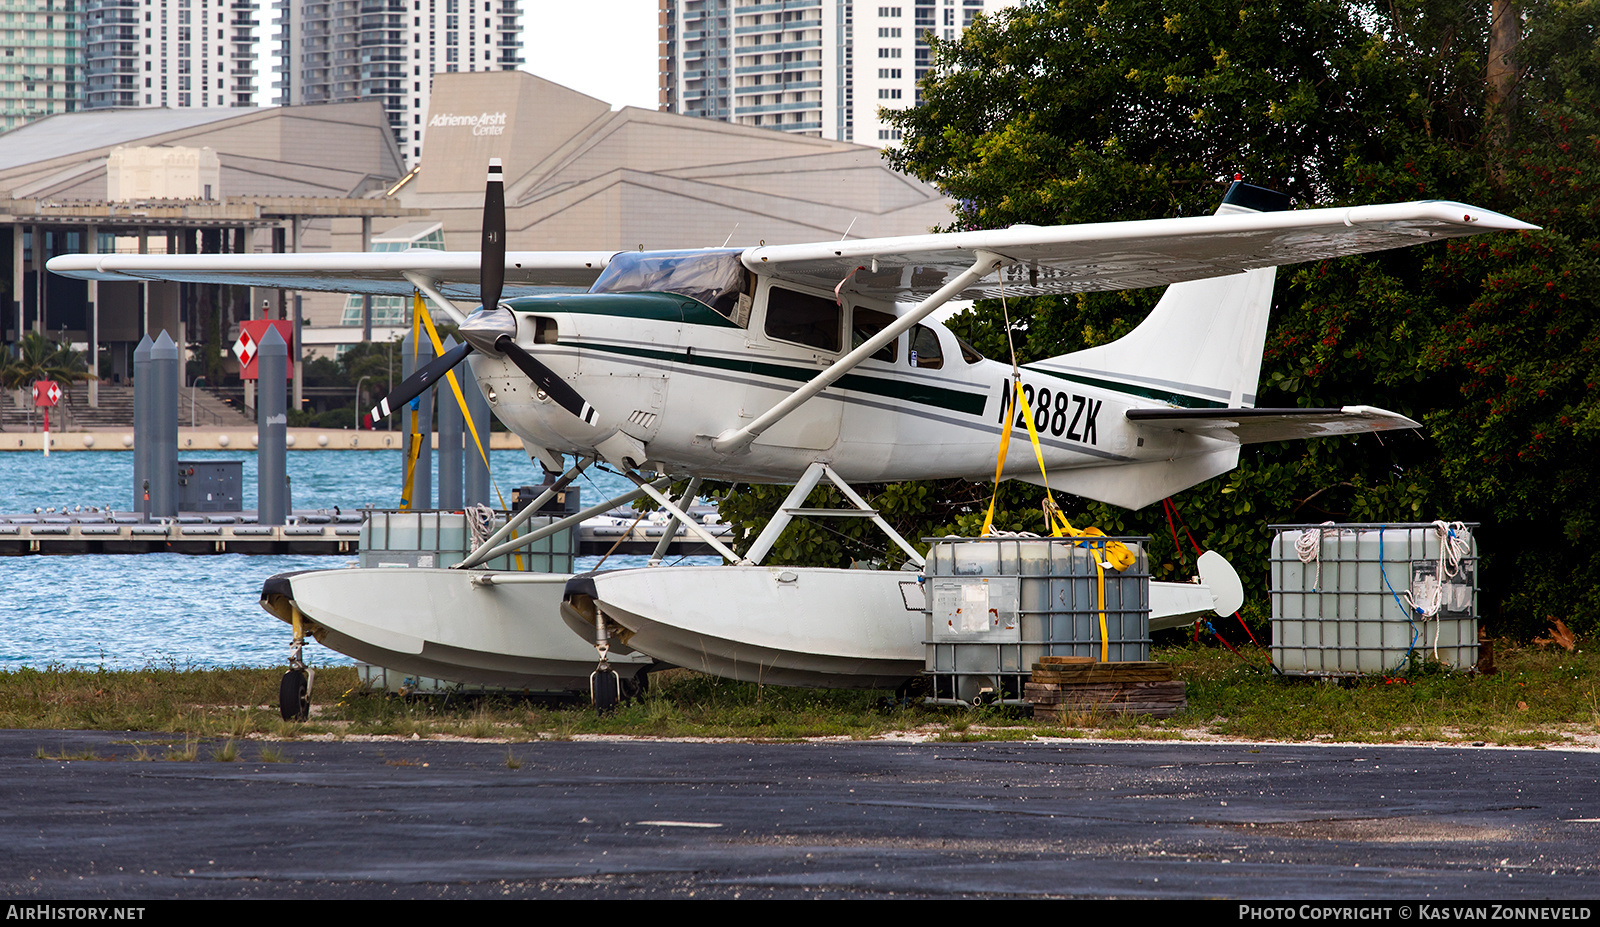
925	350
804	319
864	323
969	353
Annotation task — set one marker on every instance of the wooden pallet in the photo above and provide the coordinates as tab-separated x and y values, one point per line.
1079	684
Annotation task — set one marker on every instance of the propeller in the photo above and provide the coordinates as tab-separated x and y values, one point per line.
490	327
416	383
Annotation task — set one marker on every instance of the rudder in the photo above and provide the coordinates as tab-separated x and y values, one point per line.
1201	346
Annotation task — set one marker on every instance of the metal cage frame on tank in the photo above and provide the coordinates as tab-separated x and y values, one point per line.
1039	597
1352	617
440	538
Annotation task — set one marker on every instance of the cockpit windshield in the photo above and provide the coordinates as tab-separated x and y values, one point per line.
713	277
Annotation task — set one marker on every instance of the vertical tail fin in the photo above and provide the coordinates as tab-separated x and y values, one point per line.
1201	345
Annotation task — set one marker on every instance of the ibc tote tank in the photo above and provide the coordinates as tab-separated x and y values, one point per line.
996	605
1345	597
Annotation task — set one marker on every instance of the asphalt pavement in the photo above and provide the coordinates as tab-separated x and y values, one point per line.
425	819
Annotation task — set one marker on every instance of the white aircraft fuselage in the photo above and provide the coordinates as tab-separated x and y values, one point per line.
671	374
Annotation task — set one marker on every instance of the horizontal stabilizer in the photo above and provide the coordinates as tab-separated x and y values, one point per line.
1255	426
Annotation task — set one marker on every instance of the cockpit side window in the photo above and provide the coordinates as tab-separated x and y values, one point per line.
925	350
968	352
713	277
864	323
804	319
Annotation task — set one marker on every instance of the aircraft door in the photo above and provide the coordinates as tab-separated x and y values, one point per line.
804	333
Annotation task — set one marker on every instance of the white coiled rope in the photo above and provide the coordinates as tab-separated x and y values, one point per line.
1308	547
1453	548
480	520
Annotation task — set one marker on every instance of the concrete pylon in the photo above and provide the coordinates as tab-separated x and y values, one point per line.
451	432
422	483
143	440
165	376
272	429
477	476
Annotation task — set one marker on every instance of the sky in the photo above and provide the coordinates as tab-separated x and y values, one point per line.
604	48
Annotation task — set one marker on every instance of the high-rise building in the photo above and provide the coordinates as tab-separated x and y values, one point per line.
42	62
174	53
388	50
816	67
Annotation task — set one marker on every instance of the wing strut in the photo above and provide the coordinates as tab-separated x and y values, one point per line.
425	284
734	441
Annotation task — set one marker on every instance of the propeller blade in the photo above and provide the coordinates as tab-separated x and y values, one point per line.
413	385
492	255
556	388
491	280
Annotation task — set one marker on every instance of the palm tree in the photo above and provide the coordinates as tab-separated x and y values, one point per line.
39	358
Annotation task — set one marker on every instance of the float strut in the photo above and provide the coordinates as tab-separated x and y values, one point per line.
605	685
294	691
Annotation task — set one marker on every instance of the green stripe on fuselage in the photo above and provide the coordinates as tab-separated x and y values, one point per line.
660	307
668	307
909	391
1166	396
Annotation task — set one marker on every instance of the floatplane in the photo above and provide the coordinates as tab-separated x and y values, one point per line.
794	364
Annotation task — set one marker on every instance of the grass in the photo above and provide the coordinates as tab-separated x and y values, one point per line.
63	754
267	753
1540	696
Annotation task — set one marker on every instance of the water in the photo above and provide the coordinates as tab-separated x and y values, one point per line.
134	610
318	479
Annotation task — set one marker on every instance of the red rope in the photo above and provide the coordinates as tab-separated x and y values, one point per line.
1171	509
1173	506
1166	506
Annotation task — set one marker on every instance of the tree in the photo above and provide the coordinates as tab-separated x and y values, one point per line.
39	358
1490	342
1076	111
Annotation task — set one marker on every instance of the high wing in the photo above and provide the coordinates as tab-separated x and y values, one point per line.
1118	255
1256	426
1043	260
380	273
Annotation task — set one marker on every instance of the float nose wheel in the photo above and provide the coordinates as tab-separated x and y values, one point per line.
605	685
294	690
294	696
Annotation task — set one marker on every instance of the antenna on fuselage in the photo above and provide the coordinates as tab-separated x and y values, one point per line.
848	228
730	235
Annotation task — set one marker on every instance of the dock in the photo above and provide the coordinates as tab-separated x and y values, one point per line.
86	533
230	439
21	535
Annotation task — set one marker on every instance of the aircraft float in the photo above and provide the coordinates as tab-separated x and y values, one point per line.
791	364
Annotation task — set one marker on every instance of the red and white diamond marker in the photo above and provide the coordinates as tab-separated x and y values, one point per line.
245	348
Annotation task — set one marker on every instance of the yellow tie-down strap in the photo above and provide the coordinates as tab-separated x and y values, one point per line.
422	315
1110	553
